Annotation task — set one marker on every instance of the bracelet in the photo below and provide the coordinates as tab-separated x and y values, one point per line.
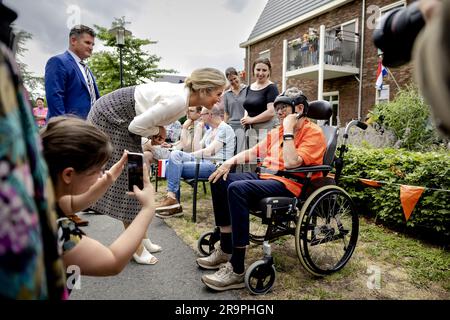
288	136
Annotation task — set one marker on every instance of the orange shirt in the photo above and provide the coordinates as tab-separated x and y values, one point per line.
310	144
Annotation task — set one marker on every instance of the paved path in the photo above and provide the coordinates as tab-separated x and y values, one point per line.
176	275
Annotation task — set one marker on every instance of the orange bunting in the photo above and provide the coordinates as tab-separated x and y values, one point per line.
371	183
409	195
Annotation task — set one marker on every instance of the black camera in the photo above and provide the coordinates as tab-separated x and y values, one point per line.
7	36
396	33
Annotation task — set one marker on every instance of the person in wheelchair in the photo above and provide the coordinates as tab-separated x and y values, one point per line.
297	142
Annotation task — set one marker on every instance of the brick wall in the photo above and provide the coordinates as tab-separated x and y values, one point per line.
348	86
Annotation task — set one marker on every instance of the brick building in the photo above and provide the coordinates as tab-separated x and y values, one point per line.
325	48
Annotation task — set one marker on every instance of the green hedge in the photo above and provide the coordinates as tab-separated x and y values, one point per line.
431	216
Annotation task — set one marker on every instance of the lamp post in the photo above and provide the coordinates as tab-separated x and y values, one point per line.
120	32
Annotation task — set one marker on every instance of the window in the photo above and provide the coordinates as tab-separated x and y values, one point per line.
382	95
333	99
392	6
341	44
265	54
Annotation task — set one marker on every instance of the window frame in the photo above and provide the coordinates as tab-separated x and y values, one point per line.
333	102
377	94
262	54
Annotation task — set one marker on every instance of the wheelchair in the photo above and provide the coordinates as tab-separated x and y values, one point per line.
323	219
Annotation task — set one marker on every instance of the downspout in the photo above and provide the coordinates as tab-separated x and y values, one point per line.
248	65
361	63
321	62
283	77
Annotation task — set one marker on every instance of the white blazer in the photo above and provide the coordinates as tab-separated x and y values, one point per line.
158	104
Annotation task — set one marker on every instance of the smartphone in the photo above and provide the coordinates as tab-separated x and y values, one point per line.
135	170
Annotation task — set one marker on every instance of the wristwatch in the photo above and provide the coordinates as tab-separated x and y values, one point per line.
288	136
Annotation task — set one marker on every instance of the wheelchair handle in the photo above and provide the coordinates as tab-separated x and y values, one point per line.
339	161
359	124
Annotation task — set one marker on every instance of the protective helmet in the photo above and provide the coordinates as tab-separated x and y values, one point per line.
301	99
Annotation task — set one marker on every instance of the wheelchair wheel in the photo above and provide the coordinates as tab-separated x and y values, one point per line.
260	277
206	242
327	231
257	230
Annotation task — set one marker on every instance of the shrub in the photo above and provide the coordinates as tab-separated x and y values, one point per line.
431	216
409	118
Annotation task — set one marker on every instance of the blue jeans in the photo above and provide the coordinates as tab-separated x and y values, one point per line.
182	165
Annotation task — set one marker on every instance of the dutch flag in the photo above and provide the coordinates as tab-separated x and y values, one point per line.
162	165
381	72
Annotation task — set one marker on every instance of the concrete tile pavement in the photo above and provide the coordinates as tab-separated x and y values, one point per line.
175	277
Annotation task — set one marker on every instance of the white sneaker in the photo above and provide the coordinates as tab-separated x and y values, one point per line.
224	279
214	260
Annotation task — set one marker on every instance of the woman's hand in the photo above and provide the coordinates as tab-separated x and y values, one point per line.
247	120
145	196
166	145
223	170
117	168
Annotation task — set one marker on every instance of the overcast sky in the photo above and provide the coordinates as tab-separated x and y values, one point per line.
190	33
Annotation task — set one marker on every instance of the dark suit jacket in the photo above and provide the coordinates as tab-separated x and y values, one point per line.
66	90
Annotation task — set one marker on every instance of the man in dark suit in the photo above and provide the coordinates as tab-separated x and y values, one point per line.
69	84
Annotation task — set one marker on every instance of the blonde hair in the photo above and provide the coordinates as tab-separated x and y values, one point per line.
205	79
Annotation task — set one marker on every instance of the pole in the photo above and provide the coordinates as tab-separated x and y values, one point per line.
393	78
121	67
361	59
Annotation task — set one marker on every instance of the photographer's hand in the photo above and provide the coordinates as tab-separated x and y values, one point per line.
429	8
117	168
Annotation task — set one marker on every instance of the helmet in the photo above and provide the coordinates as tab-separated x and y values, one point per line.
300	99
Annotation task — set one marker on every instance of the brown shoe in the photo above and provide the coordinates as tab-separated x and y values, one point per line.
78	221
168	204
174	212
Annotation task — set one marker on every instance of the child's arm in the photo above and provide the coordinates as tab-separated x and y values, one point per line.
70	204
96	259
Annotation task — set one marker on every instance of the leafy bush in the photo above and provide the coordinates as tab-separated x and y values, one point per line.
431	216
409	118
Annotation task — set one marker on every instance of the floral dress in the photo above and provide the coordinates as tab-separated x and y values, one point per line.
30	264
69	235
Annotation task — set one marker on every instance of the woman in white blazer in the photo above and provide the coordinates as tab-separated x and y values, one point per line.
128	114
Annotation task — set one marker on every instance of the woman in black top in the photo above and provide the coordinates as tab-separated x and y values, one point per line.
260	115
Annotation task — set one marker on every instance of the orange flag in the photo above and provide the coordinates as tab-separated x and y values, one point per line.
369	182
409	195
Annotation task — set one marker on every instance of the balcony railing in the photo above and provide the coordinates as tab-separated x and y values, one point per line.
338	51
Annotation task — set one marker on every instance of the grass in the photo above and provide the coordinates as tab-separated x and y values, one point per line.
409	268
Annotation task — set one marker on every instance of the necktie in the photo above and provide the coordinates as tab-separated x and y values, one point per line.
90	82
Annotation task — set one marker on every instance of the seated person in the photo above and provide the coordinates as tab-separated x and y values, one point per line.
298	142
173	132
157	150
218	145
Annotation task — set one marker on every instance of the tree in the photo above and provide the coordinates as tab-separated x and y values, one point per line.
409	118
32	83
138	65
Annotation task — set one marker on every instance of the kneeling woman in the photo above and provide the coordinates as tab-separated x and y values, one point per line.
129	114
76	153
